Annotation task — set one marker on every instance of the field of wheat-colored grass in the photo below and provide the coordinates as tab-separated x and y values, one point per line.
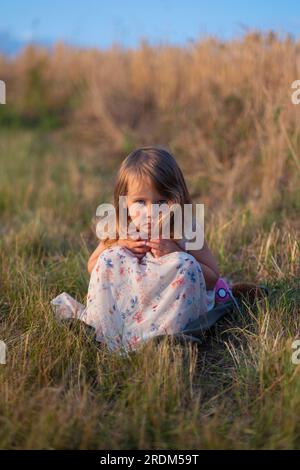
224	109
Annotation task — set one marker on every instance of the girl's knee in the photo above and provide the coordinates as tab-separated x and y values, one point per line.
187	258
189	263
111	251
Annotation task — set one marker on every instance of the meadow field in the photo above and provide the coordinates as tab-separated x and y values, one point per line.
224	109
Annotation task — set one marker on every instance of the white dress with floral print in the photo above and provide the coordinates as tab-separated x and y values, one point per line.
130	301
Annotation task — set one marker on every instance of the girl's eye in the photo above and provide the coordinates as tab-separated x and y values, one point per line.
163	201
142	202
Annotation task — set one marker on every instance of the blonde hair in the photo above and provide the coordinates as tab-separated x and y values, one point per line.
158	164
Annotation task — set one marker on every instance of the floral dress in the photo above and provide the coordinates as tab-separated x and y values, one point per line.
130	301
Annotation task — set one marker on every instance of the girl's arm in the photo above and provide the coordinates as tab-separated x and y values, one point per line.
94	256
208	264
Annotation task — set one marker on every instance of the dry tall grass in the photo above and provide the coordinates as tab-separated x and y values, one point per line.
225	108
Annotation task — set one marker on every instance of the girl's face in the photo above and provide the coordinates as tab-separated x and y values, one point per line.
141	195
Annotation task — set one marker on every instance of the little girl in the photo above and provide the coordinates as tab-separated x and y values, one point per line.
145	287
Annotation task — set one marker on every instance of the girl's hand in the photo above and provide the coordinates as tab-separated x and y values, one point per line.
163	246
137	247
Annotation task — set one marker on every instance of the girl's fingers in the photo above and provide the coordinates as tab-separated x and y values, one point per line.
139	250
156	252
133	244
138	244
154	244
162	242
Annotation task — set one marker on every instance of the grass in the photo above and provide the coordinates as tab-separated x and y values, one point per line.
59	390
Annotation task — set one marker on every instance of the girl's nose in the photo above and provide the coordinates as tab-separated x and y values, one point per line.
149	211
151	214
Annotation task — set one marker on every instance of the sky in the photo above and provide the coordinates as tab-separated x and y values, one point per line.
100	23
